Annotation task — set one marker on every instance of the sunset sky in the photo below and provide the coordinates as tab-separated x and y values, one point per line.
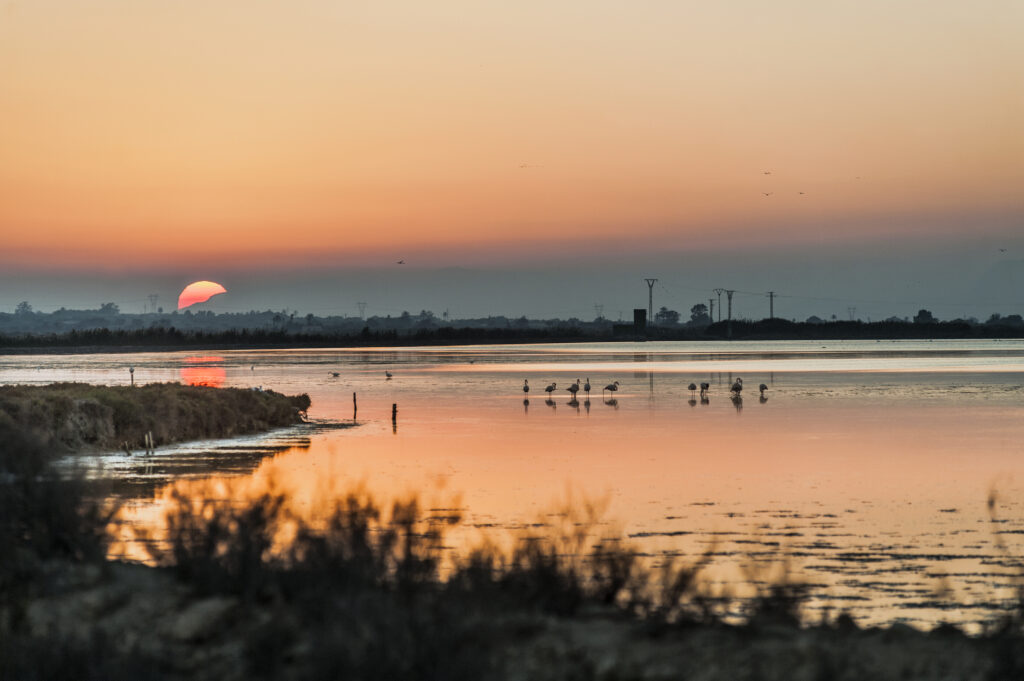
194	139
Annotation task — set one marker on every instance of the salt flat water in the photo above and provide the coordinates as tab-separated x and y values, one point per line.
867	469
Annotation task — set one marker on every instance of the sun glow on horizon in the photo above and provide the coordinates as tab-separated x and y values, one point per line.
480	127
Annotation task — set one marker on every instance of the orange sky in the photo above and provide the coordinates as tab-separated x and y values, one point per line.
154	130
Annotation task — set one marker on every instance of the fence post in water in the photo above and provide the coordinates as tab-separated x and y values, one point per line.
394	418
355	407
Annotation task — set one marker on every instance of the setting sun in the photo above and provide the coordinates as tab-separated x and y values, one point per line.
199	292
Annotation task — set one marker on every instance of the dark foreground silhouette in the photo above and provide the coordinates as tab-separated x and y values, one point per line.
253	592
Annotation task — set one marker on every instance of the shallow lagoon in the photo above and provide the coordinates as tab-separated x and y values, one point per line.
868	468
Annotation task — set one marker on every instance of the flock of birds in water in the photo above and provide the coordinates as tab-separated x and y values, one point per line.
736	391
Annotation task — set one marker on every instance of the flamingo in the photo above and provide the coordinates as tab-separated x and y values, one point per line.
704	388
693	389
526	386
551	388
611	386
737	386
387	373
574	388
586	388
762	388
334	373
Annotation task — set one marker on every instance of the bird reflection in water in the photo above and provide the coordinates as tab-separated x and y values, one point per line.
574	403
692	402
551	403
762	399
586	405
526	406
612	402
737	401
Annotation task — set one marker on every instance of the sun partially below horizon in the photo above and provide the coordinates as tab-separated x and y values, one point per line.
199	292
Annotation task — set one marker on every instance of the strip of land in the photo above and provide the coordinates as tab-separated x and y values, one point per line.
75	417
171	338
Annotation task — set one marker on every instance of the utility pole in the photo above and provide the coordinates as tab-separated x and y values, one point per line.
711	310
719	292
650	299
771	305
852	311
728	294
599	309
152	301
362	310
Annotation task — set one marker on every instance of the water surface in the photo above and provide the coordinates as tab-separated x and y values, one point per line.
868	465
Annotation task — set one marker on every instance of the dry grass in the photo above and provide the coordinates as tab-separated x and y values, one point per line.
75	416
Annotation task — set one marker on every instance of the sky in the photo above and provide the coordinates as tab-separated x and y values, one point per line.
862	151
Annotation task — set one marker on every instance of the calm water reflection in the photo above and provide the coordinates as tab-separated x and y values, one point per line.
869	464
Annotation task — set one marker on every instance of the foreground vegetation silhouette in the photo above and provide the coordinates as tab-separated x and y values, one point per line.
373	592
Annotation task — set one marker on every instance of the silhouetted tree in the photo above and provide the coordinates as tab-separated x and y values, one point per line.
110	308
1012	320
23	308
666	317
924	317
699	315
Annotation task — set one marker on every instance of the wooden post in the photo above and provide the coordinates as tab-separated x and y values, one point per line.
394	419
355	407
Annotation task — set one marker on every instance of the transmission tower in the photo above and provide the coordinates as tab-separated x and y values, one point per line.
650	299
152	301
728	294
719	292
599	309
852	311
771	305
362	310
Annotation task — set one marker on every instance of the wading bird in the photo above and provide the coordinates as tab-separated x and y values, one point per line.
737	386
693	389
611	386
574	388
551	388
586	388
762	388
387	373
526	386
704	388
334	373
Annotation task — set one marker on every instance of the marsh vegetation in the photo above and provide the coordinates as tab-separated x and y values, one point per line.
76	416
372	591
